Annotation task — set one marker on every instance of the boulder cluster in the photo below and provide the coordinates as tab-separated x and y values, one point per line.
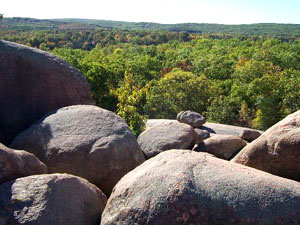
191	131
60	156
65	161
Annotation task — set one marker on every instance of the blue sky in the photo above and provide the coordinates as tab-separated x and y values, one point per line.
161	11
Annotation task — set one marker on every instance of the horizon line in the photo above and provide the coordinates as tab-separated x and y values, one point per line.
150	22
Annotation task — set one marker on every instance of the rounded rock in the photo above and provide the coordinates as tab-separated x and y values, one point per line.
51	199
16	163
32	84
86	141
222	146
277	150
192	118
171	135
250	134
186	187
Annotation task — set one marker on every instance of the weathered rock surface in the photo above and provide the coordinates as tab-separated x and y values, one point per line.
222	146
32	84
201	135
16	163
213	128
86	141
277	151
172	135
191	118
50	199
153	122
225	129
250	134
186	187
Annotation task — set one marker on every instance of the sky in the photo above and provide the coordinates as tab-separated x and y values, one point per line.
159	11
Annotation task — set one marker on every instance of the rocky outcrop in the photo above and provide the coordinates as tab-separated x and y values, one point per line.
186	187
85	141
172	135
32	84
15	164
277	151
222	146
50	199
225	129
212	128
191	118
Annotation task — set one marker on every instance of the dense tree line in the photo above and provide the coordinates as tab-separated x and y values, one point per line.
282	31
88	39
241	82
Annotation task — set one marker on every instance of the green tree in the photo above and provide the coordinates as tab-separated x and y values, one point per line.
245	115
130	101
223	109
290	85
267	96
98	76
177	91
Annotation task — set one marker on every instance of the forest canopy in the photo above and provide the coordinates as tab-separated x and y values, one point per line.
243	79
247	83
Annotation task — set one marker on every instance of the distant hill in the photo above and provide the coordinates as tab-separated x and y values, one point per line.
19	23
251	29
264	29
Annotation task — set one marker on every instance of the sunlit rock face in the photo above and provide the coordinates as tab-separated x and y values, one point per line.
86	141
32	84
186	187
51	199
277	150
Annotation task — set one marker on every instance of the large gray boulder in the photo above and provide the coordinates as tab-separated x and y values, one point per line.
222	146
16	163
50	199
277	151
186	187
32	84
86	141
172	135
